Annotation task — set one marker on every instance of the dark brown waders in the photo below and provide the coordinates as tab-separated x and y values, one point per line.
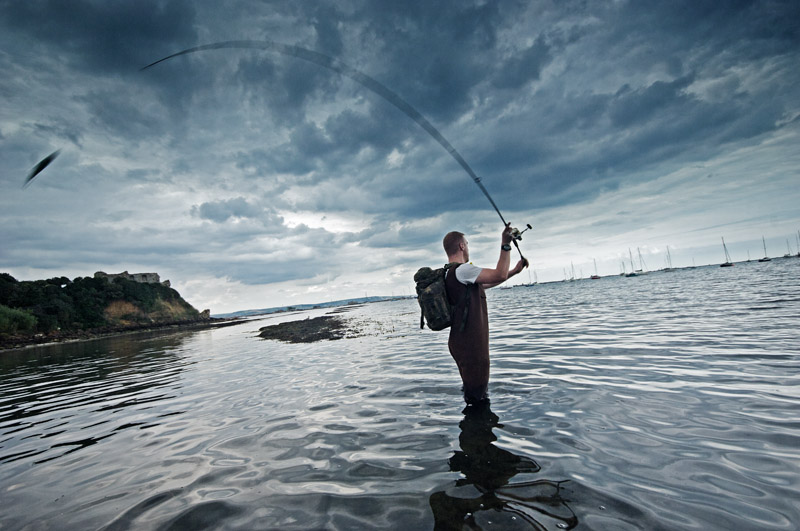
469	341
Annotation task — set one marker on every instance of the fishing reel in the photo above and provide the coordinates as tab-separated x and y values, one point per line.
517	234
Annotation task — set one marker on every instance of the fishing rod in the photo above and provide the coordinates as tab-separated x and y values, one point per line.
364	80
516	234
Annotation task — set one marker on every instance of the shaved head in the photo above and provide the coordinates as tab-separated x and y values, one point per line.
452	241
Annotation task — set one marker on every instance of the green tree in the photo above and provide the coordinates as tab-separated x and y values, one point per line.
8	286
13	320
58	303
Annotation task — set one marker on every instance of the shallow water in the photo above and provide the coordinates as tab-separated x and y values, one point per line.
667	401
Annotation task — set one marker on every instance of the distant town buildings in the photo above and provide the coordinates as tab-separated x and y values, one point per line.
144	278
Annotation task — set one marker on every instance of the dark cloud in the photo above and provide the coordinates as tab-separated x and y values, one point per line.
398	236
239	207
100	36
552	104
58	128
285	85
523	66
383	127
434	53
327	26
119	113
630	106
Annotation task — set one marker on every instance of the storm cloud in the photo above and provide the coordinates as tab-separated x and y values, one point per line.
283	180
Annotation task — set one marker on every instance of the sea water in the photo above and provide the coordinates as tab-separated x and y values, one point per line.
664	401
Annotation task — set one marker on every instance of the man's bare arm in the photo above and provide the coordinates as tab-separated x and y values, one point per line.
522	264
498	275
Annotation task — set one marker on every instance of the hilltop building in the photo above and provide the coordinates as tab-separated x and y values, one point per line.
144	278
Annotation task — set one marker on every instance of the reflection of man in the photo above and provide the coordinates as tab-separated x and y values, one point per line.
481	462
469	333
484	493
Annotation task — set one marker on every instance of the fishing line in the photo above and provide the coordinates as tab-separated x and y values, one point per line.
364	80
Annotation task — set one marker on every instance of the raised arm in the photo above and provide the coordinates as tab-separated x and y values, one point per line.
492	277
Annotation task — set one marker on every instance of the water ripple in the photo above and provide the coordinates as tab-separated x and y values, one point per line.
668	401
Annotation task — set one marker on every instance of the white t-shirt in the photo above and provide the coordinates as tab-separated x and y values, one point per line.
467	273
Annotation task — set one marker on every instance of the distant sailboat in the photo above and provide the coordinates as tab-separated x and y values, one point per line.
595	276
788	250
798	244
633	268
728	262
766	258
642	267
531	282
669	262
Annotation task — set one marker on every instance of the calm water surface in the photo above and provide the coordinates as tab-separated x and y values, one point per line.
667	401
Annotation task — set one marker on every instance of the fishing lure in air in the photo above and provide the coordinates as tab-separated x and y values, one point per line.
360	78
45	162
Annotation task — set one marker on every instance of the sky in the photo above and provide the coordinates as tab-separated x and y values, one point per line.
253	179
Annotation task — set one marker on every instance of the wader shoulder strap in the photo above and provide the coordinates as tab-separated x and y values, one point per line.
464	301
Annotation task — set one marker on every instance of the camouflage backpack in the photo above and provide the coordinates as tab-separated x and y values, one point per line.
432	297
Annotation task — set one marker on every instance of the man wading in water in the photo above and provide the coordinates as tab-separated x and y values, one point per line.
469	334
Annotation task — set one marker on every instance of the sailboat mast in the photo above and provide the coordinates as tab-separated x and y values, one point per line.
595	276
766	258
642	266
728	262
798	243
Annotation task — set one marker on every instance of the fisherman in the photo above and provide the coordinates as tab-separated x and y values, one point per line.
465	285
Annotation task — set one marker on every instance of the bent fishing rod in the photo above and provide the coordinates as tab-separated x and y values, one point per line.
364	80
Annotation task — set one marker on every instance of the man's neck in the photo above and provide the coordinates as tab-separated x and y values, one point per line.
459	258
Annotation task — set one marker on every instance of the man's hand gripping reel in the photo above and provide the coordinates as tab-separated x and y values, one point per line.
516	234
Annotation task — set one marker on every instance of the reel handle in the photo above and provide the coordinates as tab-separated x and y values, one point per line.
516	234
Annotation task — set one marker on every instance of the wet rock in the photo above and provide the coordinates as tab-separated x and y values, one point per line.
308	330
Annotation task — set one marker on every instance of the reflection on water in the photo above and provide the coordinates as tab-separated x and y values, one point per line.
484	496
59	399
667	401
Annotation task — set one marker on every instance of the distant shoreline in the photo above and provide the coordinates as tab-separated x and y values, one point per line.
315	306
54	338
294	331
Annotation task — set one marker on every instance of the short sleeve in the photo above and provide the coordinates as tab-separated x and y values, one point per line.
468	273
